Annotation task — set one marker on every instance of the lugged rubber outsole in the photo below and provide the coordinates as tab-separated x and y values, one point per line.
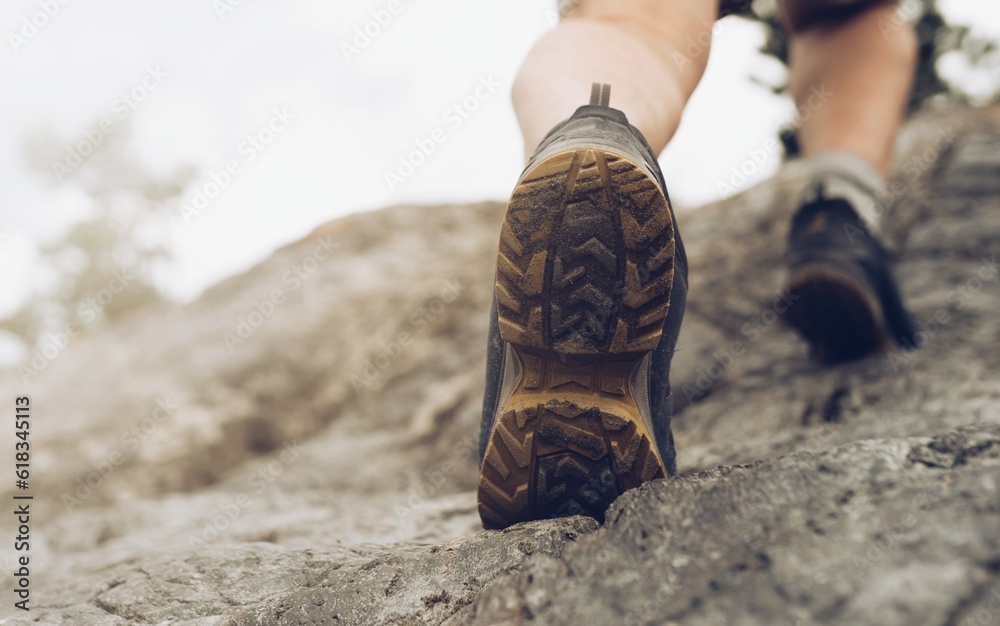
837	317
584	271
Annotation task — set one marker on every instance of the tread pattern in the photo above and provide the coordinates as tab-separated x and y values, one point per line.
563	458
584	270
585	261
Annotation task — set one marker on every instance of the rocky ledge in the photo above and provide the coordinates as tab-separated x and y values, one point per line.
297	446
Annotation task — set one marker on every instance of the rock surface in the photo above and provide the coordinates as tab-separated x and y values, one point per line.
298	445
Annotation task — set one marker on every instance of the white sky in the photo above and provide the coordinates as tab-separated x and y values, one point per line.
353	119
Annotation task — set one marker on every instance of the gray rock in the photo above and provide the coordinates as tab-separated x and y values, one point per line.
418	585
864	533
297	446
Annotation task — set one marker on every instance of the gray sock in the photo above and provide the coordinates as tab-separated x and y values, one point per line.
844	174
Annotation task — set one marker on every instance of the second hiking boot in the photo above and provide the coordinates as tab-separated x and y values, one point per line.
845	301
590	290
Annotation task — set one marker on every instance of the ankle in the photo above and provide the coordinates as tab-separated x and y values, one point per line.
841	174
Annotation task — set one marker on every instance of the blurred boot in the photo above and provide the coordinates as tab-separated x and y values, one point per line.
844	299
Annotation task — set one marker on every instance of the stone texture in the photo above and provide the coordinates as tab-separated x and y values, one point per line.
320	470
865	533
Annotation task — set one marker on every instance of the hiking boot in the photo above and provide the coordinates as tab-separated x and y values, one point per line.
590	288
844	300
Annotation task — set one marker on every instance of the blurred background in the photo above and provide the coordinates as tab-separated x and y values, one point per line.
167	145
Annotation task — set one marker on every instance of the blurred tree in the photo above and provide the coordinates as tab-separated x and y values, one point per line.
103	266
937	39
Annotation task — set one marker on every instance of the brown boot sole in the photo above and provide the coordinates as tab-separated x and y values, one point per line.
584	271
839	318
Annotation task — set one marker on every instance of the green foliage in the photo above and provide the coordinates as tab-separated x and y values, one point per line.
124	232
936	38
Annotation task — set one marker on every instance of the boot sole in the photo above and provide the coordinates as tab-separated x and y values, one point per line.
839	318
584	272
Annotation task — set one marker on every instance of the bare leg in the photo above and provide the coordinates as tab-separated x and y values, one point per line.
845	301
866	65
652	53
